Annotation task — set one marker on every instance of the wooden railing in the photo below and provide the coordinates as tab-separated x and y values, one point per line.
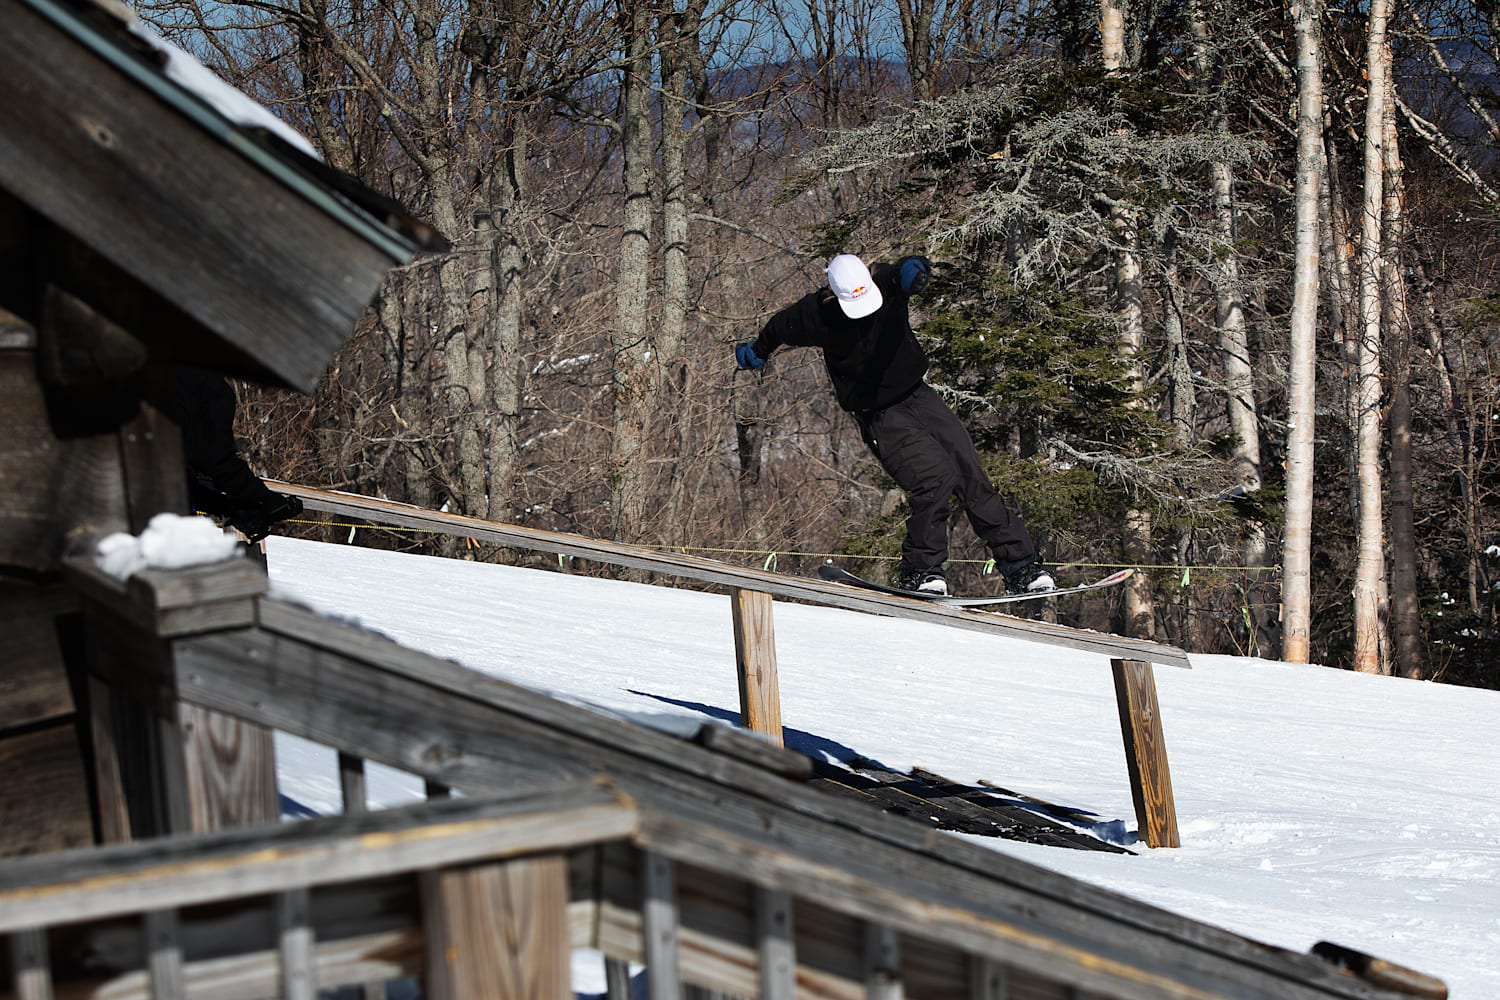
751	592
714	865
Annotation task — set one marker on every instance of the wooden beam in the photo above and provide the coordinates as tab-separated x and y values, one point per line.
712	571
173	872
163	603
1146	753
755	661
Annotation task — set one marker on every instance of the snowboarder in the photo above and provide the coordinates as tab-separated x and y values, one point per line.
861	323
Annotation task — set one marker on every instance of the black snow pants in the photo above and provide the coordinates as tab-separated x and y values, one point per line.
927	450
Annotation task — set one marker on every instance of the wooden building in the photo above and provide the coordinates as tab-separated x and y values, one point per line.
144	850
139	228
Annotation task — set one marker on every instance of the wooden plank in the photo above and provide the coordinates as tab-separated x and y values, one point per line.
755	750
168	589
37	467
30	965
659	927
131	603
34	684
44	803
230	768
151	457
131	165
114	816
941	804
1146	753
498	931
755	661
254	975
712	571
183	871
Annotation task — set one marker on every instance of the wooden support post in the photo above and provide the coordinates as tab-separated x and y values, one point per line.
1146	753
617	979
776	944
987	979
882	963
498	931
30	965
659	928
755	655
352	783
294	917
182	768
164	955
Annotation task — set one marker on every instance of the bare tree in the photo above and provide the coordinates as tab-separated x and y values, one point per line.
1229	318
1301	393
1370	579
1406	625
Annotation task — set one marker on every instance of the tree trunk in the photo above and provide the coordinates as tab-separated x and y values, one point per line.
916	36
635	361
678	32
1301	391
507	382
1369	574
1243	411
1140	611
1112	34
1406	623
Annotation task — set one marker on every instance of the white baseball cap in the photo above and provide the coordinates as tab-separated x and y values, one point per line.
850	280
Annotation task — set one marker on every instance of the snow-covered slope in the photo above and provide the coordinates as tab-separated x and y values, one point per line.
1313	804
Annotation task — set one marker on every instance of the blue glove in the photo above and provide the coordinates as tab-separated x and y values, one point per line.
745	356
915	273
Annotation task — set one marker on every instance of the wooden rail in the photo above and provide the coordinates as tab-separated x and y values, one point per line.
575	828
751	591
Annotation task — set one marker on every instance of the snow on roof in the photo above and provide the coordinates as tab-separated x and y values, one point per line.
191	75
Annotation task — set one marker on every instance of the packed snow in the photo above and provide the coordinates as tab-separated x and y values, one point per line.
170	541
1313	804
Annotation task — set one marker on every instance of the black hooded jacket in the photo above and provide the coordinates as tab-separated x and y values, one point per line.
874	361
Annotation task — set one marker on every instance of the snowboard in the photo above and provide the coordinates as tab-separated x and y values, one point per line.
833	574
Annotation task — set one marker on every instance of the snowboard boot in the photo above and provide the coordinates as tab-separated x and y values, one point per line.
923	581
1030	576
